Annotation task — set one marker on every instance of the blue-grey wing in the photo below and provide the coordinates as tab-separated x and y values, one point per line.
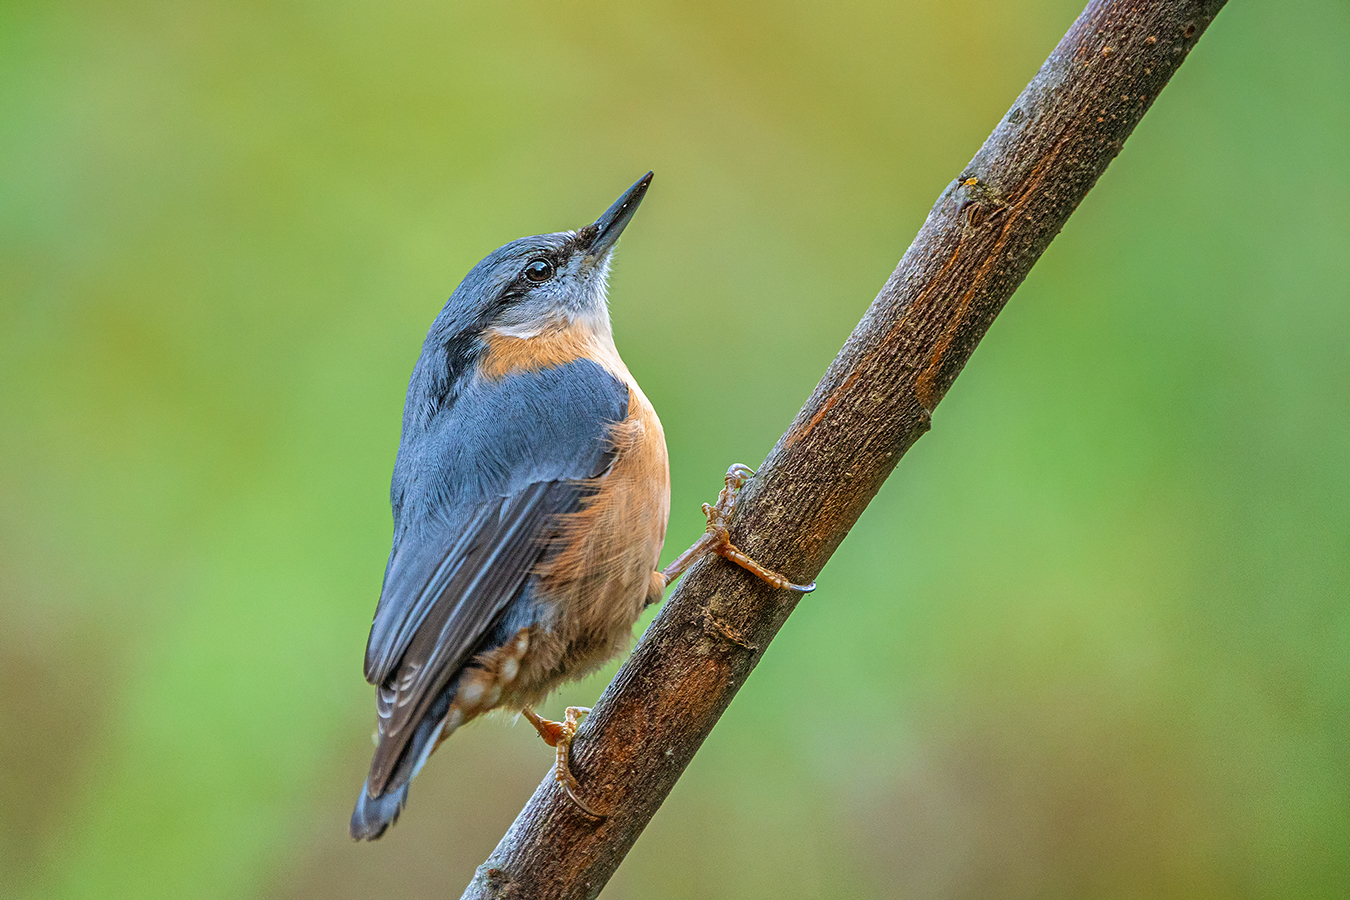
474	495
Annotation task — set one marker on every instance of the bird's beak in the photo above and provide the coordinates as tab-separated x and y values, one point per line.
608	227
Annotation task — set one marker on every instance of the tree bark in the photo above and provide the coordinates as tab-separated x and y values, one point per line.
979	241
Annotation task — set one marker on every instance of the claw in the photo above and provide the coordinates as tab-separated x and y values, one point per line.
559	735
718	517
716	538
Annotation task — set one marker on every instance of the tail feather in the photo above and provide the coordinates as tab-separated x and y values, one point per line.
373	815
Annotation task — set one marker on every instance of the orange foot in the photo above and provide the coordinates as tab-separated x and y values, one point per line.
717	540
559	735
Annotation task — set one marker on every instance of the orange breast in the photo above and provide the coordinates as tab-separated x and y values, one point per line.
599	572
551	347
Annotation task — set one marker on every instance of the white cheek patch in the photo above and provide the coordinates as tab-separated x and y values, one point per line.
578	296
593	312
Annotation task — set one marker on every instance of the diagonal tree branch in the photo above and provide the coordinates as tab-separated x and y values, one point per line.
981	238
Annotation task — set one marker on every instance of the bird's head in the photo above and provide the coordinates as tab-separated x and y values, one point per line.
545	281
519	290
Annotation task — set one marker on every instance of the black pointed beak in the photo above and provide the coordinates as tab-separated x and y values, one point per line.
608	227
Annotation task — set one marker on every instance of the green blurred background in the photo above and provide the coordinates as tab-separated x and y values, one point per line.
1091	640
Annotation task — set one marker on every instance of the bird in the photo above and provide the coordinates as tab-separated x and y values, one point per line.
530	497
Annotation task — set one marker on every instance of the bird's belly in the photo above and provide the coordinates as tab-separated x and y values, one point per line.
597	577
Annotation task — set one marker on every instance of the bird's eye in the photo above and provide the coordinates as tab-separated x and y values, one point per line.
539	270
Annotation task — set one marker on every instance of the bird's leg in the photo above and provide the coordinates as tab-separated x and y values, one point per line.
716	539
551	732
559	735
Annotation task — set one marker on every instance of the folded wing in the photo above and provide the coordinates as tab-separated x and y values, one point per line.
474	495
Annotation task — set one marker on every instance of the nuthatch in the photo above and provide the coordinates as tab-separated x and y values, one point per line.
530	497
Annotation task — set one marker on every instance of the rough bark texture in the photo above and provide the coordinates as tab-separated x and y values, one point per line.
981	238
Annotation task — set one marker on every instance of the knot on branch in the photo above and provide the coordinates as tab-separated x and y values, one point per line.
978	202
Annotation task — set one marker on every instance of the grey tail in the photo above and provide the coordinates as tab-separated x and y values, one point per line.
373	815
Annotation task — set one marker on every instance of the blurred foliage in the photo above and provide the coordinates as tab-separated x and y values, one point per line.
1091	640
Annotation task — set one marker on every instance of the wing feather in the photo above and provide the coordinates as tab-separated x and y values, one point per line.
478	495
